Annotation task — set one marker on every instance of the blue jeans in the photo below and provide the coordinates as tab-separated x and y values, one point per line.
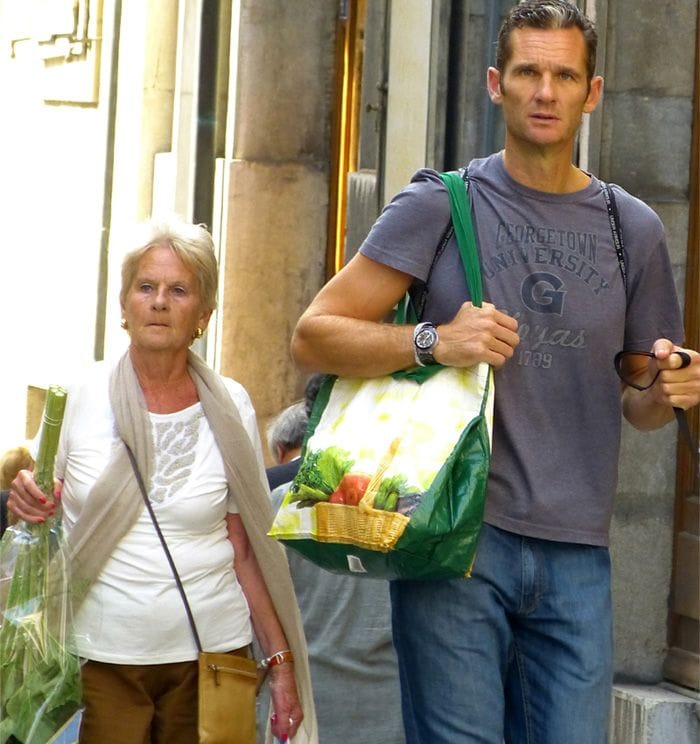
521	652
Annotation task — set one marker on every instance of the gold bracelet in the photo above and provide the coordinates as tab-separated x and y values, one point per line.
281	657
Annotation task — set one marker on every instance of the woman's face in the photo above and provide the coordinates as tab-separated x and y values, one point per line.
163	306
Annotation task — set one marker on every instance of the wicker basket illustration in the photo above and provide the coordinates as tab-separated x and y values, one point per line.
363	525
374	529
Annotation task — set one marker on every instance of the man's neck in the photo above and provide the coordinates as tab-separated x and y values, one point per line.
544	171
289	455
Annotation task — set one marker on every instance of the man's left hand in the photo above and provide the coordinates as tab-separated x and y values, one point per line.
678	385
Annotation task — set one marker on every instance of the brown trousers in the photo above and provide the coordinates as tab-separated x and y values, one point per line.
140	703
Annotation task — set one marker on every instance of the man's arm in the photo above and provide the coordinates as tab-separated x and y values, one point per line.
342	330
675	387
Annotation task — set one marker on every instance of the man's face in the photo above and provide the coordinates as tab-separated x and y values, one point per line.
544	89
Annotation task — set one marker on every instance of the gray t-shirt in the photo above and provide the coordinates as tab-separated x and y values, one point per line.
549	261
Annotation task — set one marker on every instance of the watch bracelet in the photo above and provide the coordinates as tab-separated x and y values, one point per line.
280	657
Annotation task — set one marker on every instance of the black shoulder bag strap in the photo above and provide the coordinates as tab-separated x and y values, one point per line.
171	562
421	293
614	217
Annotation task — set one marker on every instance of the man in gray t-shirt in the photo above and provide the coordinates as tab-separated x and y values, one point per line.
522	650
564	287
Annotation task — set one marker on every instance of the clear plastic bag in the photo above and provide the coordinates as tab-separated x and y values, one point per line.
40	690
39	670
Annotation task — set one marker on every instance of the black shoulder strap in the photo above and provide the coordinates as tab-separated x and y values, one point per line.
168	555
614	217
420	294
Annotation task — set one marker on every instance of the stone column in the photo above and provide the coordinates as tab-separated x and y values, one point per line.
277	202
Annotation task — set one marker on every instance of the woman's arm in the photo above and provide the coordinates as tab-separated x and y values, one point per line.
288	713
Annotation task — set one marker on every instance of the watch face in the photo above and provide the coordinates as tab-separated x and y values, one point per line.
426	338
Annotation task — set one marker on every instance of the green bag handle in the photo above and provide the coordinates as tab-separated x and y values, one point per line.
460	210
464	232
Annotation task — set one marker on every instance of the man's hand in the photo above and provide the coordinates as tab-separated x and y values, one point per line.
477	334
677	385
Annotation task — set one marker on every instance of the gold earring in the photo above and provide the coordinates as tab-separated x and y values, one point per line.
124	324
198	334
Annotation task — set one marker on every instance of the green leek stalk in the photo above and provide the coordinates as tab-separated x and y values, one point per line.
51	423
39	671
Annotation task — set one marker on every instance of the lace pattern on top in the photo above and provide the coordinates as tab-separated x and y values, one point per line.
174	442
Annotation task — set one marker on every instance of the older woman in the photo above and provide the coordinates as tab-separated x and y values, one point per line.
197	446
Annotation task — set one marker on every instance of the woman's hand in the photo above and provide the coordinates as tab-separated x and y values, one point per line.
286	709
27	501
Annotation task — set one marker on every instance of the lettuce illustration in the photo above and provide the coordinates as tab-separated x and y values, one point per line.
320	473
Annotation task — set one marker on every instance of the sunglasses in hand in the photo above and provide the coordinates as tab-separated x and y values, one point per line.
639	370
636	369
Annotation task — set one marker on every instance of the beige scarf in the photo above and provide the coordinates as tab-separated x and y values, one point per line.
115	503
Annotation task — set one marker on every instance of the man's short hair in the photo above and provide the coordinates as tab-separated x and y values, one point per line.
286	431
313	385
546	14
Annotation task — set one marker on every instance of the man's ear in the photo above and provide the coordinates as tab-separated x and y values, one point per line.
594	94
493	85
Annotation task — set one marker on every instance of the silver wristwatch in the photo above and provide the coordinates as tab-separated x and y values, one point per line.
425	338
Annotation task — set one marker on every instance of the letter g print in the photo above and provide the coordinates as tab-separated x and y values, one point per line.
543	293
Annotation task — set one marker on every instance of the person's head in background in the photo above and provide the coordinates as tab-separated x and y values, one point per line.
285	433
311	391
11	462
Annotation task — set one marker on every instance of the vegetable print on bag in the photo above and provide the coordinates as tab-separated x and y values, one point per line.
393	474
386	452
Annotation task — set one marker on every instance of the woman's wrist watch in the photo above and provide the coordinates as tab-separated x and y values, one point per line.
425	338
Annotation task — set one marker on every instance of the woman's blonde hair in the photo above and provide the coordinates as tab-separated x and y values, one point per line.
193	245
